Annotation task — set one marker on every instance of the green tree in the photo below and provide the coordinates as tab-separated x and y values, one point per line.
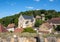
14	18
57	28
38	22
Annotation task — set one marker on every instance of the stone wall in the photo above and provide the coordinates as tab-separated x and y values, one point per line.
57	40
29	39
18	39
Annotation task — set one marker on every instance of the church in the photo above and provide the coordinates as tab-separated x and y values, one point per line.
26	21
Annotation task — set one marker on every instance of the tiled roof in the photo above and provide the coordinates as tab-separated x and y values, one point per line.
2	29
18	30
54	21
11	25
38	16
48	25
44	31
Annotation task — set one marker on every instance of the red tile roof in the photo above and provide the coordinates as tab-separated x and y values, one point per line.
2	29
18	30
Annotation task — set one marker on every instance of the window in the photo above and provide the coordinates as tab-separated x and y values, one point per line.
27	22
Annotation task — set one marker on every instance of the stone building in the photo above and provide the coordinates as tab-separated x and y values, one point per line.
26	21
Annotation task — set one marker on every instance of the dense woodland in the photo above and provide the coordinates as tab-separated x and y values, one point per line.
14	18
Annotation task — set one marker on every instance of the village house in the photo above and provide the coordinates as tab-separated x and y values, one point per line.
54	21
11	27
26	21
45	28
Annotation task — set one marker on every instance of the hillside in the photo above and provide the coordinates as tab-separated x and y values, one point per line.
14	18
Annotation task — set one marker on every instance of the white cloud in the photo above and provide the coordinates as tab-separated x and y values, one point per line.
37	9
29	7
37	0
51	0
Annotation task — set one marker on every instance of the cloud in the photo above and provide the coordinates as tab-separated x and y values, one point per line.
37	0
51	0
29	7
37	9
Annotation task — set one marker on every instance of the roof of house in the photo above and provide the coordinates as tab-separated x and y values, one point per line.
44	31
18	30
2	29
47	25
54	20
38	16
28	17
11	25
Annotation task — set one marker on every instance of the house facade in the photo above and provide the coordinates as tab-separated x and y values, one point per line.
11	27
26	21
42	17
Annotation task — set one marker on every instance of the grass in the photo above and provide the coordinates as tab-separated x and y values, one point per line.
53	35
26	34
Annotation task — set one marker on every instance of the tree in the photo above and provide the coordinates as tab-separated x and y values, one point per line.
57	28
14	18
38	22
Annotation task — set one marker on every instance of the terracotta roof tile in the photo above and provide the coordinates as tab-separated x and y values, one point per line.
18	30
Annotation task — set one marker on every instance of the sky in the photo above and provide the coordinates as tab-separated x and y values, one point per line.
11	7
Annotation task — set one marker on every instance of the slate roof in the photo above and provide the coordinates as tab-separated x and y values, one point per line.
27	17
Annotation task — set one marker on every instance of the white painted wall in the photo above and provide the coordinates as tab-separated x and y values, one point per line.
10	29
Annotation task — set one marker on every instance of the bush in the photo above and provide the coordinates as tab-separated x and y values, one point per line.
38	22
29	29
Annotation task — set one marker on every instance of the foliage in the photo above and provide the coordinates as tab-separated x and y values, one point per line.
57	28
38	22
29	29
14	18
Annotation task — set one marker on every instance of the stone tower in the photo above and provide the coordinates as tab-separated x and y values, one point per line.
43	17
